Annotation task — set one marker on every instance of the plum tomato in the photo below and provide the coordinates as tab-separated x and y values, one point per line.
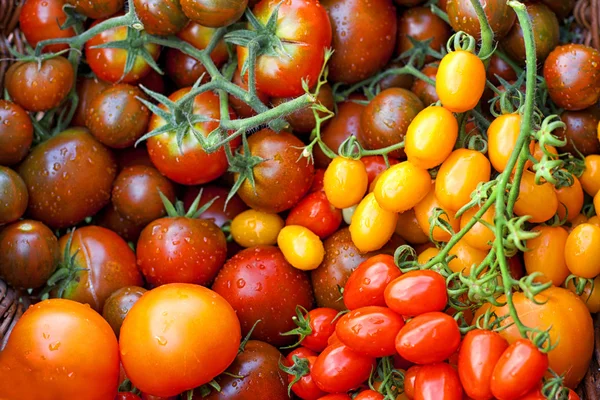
367	283
299	377
417	292
254	228
408	228
13	196
425	91
538	201
117	305
590	179
376	165
480	236
465	256
402	187
339	369
546	254
409	381
316	213
502	139
582	251
301	247
460	81
41	20
438	381
16	133
570	200
372	226
425	210
160	17
590	295
345	182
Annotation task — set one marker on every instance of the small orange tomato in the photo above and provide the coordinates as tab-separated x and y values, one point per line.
430	137
424	210
345	182
503	133
590	296
595	220
479	236
547	254
570	200
537	153
582	251
402	186
372	226
254	228
466	257
301	247
427	255
590	180
538	201
460	81
408	228
459	176
578	220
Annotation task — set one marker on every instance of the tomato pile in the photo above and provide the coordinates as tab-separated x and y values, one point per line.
300	199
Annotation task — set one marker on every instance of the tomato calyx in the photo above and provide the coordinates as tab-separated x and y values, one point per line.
66	273
242	163
178	209
302	320
127	386
299	369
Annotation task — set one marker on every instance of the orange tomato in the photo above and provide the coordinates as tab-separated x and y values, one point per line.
537	153
301	247
466	257
345	182
590	296
538	201
570	200
590	180
503	133
595	220
597	203
578	220
402	186
460	81
372	226
459	176
427	255
424	210
255	228
408	228
582	251
479	236
547	254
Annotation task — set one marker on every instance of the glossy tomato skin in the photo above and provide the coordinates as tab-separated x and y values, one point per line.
428	338
409	381
109	218
214	13
258	367
109	63
539	201
305	30
364	34
217	212
68	177
39	87
190	251
253	228
317	214
424	90
40	20
345	182
479	352
546	254
28	254
460	81
499	67
183	358
375	166
16	133
573	82
437	381
367	283
590	180
581	131
260	284
402	187
301	247
518	370
421	23
13	196
180	165
107	261
127	396
161	17
53	337
339	369
424	211
117	305
87	90
370	331
408	228
417	292
372	226
582	253
305	388
463	17
283	163
322	322
98	9
369	395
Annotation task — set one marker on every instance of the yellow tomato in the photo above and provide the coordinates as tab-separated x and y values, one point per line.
479	236
427	255
503	133
408	228
459	176
582	251
402	186
570	200
424	210
254	228
590	180
538	201
372	226
301	247
460	81
591	297
547	254
466	257
537	153
345	182
430	137
595	220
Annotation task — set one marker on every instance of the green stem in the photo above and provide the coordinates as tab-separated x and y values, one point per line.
487	35
514	190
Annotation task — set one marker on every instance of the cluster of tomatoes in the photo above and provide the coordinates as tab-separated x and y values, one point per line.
204	201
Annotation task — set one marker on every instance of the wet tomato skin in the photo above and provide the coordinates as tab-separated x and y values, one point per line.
421	23
417	292
41	19
16	133
463	17
437	381
87	90
581	132
339	369
367	283
97	9
317	214
117	305
217	212
13	196
161	17
214	13
322	322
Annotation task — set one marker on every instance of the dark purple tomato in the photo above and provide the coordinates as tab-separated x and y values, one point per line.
16	133
501	68
99	9
404	81
303	121
118	305
214	13
161	17
87	90
562	8
13	196
462	16
581	131
421	24
109	218
424	91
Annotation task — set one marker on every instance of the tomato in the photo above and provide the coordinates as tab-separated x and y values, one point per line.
242	109
318	185
345	182
595	220
502	139
465	257
53	353
282	163
572	80
301	247
479	236
409	381
317	214
181	250
570	321
260	284
179	164
160	17
430	137
547	254
460	81
160	327
428	338
424	211
99	9
427	253
437	381
420	23
404	81
315	328
41	20
375	166
499	67
87	90
217	212
463	17
127	396
582	252
13	196
305	32
74	157
185	70
253	228
424	90
214	13
520	367
367	283
417	292
109	63
339	369
570	200
459	175
336	396
16	133
28	254
372	226
39	87
581	132
538	201
117	305
303	120
369	395
402	187
305	388
479	352
590	180
386	118
109	218
408	228
590	296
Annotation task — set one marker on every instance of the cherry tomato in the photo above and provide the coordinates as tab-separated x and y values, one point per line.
479	236
127	396
499	67
160	327
336	396
16	133
214	13
409	381
117	305
460	81
423	89
339	369
375	166
301	247
41	20
253	228
317	214
424	211
372	226
303	121
538	201
13	196
437	381
345	182
367	283
582	252
570	200
463	17
431	137
465	257
590	180
217	212
417	292
581	131
420	23
428	338
315	328
402	187
547	254
160	17
502	139
109	218
408	228
369	395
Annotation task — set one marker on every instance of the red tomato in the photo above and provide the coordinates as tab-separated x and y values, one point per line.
369	395
305	387
317	214
375	165
339	369
16	133
41	20
409	381
317	327
127	396
367	283
336	396
416	293
437	382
